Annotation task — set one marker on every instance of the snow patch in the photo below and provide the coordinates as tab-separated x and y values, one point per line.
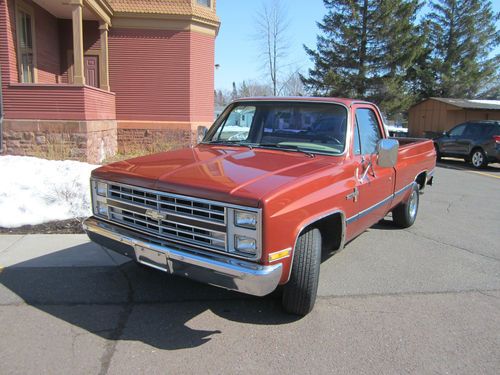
35	191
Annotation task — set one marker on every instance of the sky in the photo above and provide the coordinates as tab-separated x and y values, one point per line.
237	52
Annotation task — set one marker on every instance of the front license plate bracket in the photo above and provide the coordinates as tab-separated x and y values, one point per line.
152	258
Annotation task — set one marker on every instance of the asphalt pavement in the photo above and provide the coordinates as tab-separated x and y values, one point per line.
419	301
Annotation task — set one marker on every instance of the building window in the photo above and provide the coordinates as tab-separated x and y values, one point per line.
25	44
205	3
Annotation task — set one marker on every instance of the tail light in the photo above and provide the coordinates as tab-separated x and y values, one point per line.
496	138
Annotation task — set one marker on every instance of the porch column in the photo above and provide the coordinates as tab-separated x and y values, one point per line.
77	17
104	60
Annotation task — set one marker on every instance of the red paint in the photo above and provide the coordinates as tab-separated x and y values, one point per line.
292	189
161	75
58	102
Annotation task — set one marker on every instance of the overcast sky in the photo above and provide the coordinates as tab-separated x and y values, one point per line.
237	52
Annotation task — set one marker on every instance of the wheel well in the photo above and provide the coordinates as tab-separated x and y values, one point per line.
331	228
474	149
421	180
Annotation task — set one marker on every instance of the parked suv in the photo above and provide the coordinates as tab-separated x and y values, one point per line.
478	142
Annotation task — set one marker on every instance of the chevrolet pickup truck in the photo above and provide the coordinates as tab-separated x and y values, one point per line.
274	184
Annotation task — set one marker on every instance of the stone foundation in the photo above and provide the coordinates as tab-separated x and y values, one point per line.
90	141
150	137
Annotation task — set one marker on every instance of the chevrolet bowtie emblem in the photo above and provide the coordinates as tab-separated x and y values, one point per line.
156	215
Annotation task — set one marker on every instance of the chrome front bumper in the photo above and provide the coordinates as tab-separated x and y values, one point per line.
209	268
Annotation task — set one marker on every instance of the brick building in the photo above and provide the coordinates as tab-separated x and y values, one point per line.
96	75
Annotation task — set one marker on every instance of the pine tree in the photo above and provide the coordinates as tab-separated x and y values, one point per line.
366	50
462	34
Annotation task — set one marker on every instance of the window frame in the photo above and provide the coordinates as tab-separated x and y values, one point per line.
21	6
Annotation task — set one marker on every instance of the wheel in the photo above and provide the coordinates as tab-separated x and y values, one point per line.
438	153
478	158
405	213
299	294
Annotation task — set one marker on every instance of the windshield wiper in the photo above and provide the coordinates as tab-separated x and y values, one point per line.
229	143
286	148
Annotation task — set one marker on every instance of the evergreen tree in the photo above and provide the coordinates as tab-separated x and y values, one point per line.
366	51
462	34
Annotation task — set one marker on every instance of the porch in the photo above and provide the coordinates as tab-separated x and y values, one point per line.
56	78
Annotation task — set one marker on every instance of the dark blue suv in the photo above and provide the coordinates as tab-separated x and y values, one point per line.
478	142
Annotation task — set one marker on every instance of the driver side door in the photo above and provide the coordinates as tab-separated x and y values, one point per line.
375	184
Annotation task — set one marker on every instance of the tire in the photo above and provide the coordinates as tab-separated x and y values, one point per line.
299	294
405	214
478	158
438	153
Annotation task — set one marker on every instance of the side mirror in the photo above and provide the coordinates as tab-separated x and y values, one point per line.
446	133
387	151
201	132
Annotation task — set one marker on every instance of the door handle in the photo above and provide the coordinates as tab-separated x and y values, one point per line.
354	195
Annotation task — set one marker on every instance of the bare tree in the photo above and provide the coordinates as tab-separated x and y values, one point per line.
293	85
271	27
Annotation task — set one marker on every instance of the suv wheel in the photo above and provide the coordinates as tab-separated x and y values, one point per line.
478	158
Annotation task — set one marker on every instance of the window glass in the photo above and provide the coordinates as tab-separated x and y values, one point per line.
237	125
457	131
25	45
357	145
205	3
369	131
295	125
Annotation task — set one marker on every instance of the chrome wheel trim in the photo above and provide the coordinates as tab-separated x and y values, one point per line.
477	159
412	204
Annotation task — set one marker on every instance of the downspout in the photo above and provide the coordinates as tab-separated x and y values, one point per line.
1	113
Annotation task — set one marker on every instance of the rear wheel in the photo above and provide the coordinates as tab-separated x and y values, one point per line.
405	214
478	158
299	294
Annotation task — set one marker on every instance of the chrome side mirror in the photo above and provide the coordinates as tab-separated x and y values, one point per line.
387	151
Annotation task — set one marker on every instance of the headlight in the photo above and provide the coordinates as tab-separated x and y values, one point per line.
101	209
245	219
101	188
245	245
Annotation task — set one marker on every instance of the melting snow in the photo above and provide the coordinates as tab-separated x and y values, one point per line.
35	191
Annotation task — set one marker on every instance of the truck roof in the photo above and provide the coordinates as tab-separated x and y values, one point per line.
345	101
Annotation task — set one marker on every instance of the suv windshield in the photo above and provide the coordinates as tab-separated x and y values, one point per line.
297	126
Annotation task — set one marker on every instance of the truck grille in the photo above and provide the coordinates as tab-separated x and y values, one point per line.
177	218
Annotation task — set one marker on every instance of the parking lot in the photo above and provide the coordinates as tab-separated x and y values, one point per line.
422	300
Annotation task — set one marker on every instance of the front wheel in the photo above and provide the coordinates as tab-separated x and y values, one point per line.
405	214
478	158
299	294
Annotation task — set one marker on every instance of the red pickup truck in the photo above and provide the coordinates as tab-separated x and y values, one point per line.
274	184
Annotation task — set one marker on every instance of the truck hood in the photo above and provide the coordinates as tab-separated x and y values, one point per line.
236	175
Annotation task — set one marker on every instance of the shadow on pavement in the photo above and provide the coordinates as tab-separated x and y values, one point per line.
130	302
460	164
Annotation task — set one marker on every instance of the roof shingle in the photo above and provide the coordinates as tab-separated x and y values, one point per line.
174	7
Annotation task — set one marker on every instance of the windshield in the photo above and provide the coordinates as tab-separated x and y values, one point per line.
309	127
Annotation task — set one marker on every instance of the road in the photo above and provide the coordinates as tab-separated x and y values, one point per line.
422	300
